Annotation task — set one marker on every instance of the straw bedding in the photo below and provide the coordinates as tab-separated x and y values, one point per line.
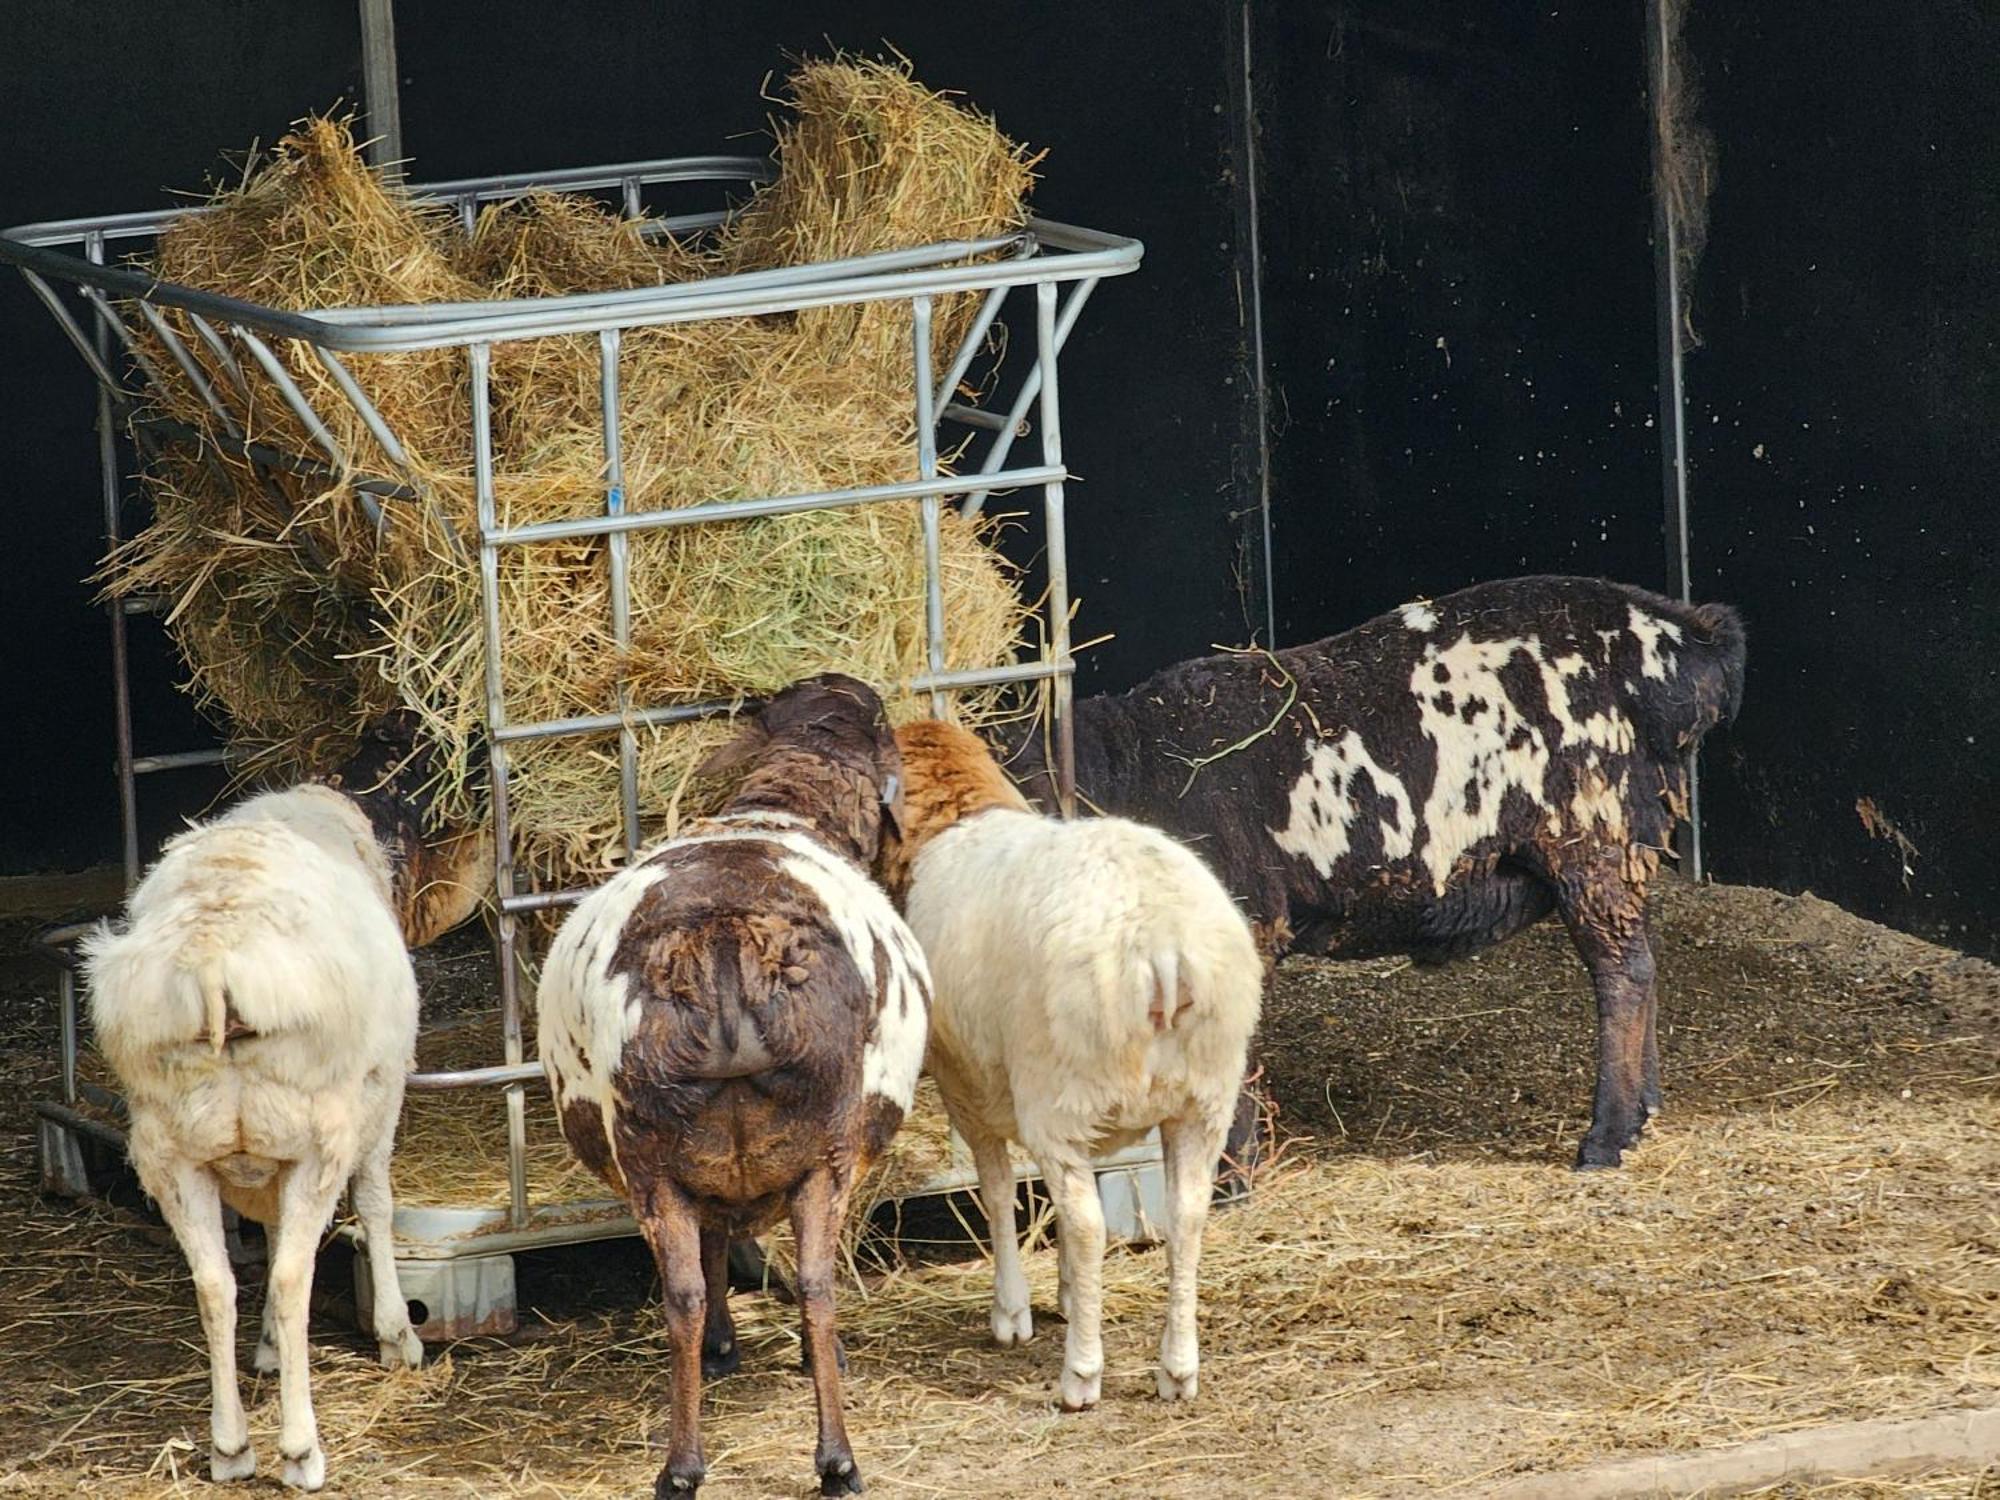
299	616
1810	1236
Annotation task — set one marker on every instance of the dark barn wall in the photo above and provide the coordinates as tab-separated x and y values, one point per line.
1844	416
1458	299
104	108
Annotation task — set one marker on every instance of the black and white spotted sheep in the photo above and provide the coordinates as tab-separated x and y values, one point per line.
1438	779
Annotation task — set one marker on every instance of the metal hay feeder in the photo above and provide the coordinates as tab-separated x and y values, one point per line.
458	1261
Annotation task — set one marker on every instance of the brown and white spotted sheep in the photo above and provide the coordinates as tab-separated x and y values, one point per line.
1436	780
732	1029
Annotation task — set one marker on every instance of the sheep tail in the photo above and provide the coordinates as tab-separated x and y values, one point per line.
1168	996
215	1002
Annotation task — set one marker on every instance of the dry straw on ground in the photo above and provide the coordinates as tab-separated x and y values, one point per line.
1370	1327
299	616
1809	1236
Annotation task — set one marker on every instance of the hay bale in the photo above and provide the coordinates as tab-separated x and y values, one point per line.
299	618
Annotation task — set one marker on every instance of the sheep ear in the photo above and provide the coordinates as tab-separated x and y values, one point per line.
738	752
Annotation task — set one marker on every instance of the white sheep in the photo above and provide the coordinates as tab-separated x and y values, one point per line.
260	1011
1091	980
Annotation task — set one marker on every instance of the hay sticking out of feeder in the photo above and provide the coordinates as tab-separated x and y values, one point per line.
300	615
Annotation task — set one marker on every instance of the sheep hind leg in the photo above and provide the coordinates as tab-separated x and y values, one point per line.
1080	1227
1013	1322
1191	1145
396	1342
306	1201
667	1220
264	1358
720	1353
819	1207
192	1207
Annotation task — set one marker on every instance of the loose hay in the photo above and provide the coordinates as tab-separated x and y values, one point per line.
1369	1327
299	618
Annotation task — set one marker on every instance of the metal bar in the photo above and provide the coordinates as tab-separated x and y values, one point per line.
927	465
181	355
259	453
583	179
468	213
294	397
619	561
1256	412
472	1078
1046	345
554	310
102	1097
635	206
121	656
81	1123
974	416
745	510
965	677
219	347
1087	255
73	331
644	718
108	315
479	360
371	418
380	86
179	760
1672	385
517	1112
710	287
66	1011
1003	443
539	318
501	185
968	348
57	944
681	713
543	900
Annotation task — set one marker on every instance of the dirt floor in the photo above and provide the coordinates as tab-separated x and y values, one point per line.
1419	1299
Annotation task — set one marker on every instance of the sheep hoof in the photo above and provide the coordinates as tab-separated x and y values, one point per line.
1597	1155
1080	1392
720	1359
1179	1387
265	1359
405	1351
1011	1328
226	1468
679	1479
840	1477
307	1472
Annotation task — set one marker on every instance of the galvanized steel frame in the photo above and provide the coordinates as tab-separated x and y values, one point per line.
240	336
